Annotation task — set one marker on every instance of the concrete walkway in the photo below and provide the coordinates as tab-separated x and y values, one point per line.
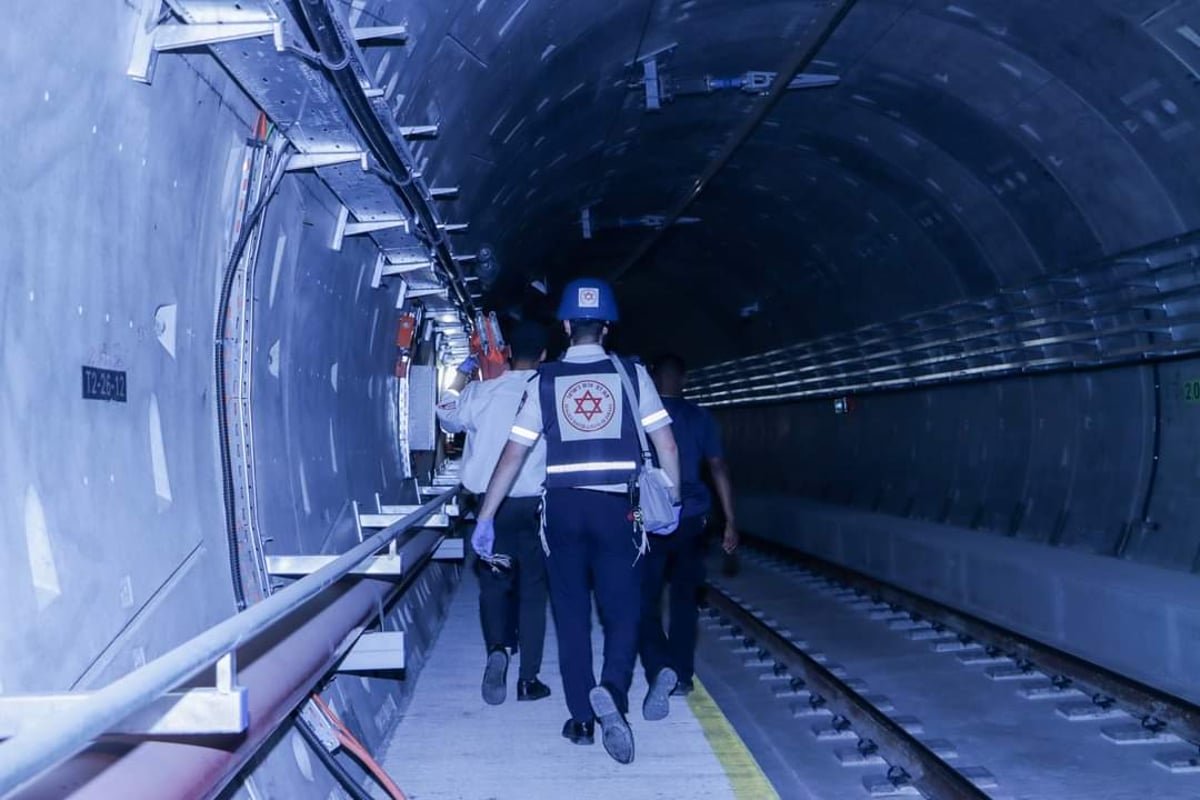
452	746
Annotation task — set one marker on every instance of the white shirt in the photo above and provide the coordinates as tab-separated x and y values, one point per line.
528	427
485	411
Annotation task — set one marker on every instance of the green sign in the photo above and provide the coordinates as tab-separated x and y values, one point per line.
1191	391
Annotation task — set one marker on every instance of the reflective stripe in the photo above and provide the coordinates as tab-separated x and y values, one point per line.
524	433
591	466
655	417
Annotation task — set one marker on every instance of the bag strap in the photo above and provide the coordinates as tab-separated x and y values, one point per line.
630	394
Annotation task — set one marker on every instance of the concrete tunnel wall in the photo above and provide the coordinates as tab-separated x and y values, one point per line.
119	200
1050	505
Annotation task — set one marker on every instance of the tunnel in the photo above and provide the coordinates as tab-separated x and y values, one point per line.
935	271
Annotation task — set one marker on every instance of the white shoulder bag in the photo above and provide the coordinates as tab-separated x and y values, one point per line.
654	488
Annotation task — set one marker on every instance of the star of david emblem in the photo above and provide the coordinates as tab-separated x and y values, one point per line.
587	405
584	400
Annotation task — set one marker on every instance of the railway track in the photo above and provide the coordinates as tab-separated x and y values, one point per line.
1070	729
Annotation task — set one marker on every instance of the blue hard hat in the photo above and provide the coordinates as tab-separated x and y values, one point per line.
588	298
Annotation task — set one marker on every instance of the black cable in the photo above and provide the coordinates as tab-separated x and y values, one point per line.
318	23
227	490
352	787
319	59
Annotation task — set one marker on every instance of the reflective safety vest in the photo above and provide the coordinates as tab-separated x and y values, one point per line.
589	430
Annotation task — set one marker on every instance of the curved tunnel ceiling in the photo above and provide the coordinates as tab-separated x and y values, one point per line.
968	146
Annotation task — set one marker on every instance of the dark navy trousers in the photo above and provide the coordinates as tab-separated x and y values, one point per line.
677	560
593	548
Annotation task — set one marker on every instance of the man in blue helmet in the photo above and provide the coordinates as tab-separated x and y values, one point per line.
580	407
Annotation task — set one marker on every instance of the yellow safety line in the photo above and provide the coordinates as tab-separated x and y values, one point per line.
745	775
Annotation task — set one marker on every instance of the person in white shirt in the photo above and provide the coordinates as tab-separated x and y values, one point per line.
485	412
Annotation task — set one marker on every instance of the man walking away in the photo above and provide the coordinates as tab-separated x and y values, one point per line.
679	559
485	411
580	408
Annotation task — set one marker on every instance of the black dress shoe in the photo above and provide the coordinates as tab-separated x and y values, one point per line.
683	688
579	732
532	689
617	736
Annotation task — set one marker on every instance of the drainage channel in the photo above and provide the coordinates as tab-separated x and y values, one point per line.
904	652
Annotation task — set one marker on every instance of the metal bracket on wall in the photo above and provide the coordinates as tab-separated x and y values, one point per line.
374	652
395	513
385	566
450	550
450	509
221	710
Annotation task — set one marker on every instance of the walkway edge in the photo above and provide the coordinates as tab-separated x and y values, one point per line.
746	777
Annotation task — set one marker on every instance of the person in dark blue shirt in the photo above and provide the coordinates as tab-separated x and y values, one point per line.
678	559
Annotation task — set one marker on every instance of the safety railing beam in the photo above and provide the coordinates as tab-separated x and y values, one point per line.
39	747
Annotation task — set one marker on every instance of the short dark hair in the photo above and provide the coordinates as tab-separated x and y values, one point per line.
527	340
587	329
670	362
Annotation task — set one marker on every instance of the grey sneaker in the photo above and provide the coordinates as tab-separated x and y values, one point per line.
495	677
618	738
657	704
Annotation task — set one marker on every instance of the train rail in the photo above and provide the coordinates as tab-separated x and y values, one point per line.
776	639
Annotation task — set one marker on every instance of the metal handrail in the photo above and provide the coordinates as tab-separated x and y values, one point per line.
1150	302
1096	285
39	748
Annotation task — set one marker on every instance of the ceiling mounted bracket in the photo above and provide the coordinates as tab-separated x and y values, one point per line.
381	34
228	24
344	227
650	81
300	161
428	292
419	131
384	268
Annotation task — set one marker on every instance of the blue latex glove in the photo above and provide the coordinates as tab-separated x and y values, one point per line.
670	527
469	366
484	537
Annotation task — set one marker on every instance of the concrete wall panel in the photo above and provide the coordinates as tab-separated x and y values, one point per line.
1131	618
